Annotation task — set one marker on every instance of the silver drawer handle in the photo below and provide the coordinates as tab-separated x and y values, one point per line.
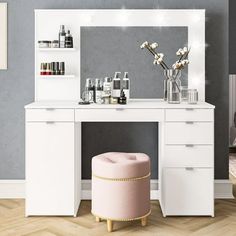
50	122
189	122
189	109
50	109
189	168
120	109
189	145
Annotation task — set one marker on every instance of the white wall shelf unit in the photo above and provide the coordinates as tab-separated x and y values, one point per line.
66	87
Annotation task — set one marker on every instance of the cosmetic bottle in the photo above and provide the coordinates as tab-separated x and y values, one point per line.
57	71
55	44
42	69
116	85
89	89
53	68
62	36
98	91
107	86
48	69
62	68
126	85
122	100
68	40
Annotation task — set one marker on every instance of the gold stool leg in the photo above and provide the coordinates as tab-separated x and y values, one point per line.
98	219
144	221
109	225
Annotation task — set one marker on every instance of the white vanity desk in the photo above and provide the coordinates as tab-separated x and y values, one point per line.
53	153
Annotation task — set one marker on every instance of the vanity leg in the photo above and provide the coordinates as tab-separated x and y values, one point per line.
98	219
144	221
109	225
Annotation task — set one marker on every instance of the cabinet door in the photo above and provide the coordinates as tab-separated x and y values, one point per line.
188	191
49	168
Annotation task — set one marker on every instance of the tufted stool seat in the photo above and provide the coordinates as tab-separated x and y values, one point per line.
121	187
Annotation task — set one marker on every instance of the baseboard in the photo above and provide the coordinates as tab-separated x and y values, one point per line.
16	189
12	188
223	189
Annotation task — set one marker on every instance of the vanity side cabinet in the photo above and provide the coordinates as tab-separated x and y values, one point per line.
188	162
51	164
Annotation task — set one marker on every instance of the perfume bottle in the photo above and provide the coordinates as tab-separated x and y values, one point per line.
62	36
98	91
89	90
116	85
68	40
126	85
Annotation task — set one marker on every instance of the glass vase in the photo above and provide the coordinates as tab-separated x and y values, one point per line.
173	86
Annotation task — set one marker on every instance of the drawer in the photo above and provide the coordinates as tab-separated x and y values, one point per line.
119	114
188	191
188	155
189	133
50	114
189	114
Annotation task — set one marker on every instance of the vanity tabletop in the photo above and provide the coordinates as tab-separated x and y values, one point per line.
132	104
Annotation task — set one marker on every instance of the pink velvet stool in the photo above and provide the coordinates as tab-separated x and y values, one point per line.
121	187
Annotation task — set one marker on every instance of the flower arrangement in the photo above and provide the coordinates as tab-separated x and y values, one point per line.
180	64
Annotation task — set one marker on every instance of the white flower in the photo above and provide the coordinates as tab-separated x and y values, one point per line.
155	62
154	45
177	65
160	59
185	49
185	62
181	51
143	45
159	55
178	53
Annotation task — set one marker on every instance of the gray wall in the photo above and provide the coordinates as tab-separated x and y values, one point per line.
17	86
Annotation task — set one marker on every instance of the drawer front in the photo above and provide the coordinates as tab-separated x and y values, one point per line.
188	156
50	115
189	133
122	114
189	114
188	191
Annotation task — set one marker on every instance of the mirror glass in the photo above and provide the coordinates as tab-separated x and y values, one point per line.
105	50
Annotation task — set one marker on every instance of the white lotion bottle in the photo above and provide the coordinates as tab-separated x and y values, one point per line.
116	85
126	85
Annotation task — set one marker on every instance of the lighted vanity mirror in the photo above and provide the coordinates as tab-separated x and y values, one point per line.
109	40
